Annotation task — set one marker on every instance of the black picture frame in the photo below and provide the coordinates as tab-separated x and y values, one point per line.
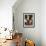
28	20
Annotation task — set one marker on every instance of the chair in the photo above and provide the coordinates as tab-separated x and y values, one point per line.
18	39
29	43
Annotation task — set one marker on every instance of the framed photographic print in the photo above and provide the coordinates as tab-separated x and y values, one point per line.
29	20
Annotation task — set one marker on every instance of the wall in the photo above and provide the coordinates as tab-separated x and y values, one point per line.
43	22
6	13
28	6
6	16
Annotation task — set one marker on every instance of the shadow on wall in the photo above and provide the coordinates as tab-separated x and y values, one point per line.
27	6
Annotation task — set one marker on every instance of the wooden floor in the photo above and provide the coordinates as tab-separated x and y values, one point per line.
9	43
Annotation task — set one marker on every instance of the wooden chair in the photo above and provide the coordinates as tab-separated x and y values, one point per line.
18	39
29	43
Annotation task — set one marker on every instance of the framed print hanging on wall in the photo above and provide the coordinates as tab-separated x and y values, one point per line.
29	20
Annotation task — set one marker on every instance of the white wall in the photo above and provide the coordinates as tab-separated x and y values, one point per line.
6	13
28	6
43	22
